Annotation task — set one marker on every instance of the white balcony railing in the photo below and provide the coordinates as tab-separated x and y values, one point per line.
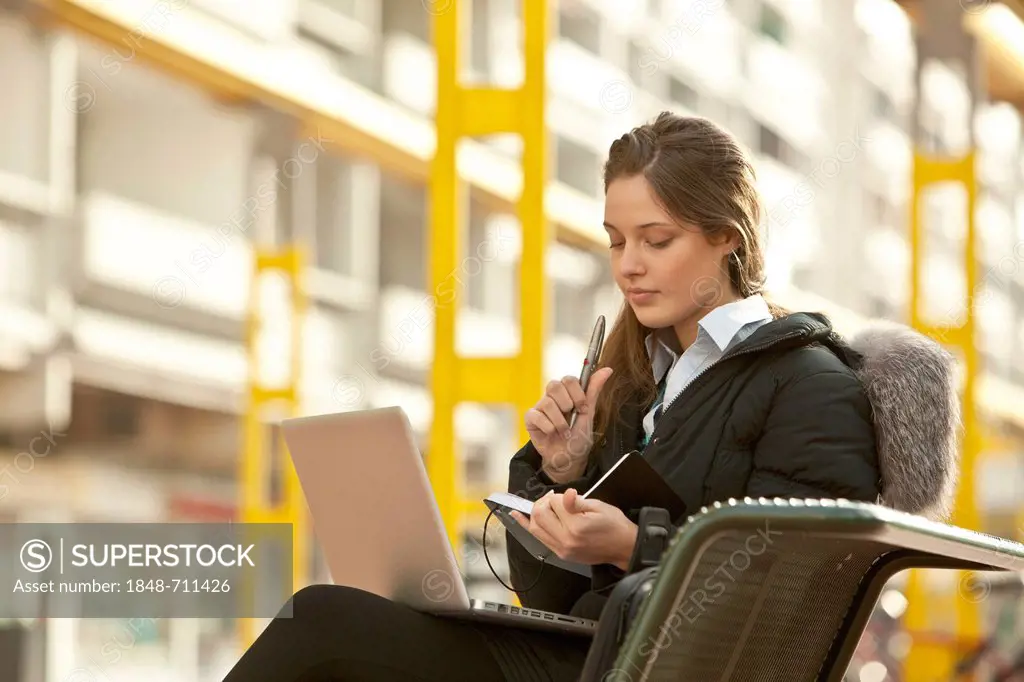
176	261
270	20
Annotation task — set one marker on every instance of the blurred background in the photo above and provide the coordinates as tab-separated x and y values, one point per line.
173	170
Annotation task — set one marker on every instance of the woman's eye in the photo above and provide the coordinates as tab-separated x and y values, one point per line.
615	245
661	244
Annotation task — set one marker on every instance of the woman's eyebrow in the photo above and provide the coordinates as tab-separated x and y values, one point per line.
643	226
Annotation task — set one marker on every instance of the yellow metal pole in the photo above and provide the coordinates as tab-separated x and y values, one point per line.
928	660
253	505
443	458
966	513
536	235
295	501
940	35
466	112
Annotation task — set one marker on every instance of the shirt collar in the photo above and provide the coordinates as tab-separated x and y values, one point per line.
724	322
720	325
663	349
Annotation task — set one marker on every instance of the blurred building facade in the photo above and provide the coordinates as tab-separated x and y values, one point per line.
131	196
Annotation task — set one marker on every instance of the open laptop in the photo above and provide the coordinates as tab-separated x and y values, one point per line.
374	512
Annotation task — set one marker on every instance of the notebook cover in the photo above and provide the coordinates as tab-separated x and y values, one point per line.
633	484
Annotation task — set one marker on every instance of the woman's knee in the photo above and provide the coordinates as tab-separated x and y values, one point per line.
330	600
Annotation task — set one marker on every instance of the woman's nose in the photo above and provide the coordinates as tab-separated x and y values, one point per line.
631	261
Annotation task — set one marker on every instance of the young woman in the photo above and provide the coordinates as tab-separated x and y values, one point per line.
725	394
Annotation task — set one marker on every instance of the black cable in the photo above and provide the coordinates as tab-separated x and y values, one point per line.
519	593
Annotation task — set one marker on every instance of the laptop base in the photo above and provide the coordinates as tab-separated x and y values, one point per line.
530	619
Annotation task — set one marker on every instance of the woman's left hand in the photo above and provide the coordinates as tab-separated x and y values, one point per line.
581	530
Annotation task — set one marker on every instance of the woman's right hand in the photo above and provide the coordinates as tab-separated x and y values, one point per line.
564	450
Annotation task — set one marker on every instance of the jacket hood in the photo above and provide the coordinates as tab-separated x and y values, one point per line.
910	381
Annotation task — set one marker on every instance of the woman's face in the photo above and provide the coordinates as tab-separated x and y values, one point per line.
669	272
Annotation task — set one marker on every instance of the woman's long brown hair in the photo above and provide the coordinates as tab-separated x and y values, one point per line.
702	176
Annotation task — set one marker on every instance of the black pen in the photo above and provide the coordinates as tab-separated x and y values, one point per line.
593	353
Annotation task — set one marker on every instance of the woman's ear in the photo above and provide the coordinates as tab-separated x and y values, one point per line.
733	242
727	244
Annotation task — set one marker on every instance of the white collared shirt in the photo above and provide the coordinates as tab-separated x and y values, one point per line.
717	331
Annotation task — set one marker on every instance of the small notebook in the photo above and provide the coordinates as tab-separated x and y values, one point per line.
631	483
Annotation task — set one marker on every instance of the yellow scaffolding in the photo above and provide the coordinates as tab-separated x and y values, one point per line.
463	112
255	467
466	112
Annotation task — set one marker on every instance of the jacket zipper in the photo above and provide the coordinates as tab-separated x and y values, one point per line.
728	356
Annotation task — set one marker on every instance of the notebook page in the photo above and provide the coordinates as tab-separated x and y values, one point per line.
512	501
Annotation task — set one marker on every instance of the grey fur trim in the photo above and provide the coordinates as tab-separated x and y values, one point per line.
910	381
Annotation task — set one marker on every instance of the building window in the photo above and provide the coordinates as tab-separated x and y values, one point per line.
572	310
1017	299
476	459
774	145
636	62
682	93
883	104
795	158
352	64
1019	357
772	24
769	142
480	51
121	416
491	253
581	25
332	241
475	291
406	16
878	207
577	166
403	219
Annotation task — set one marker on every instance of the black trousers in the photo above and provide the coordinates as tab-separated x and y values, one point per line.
342	633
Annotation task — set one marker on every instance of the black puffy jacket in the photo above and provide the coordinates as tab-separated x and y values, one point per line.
793	411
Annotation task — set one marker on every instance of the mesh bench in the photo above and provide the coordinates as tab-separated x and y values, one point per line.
772	590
